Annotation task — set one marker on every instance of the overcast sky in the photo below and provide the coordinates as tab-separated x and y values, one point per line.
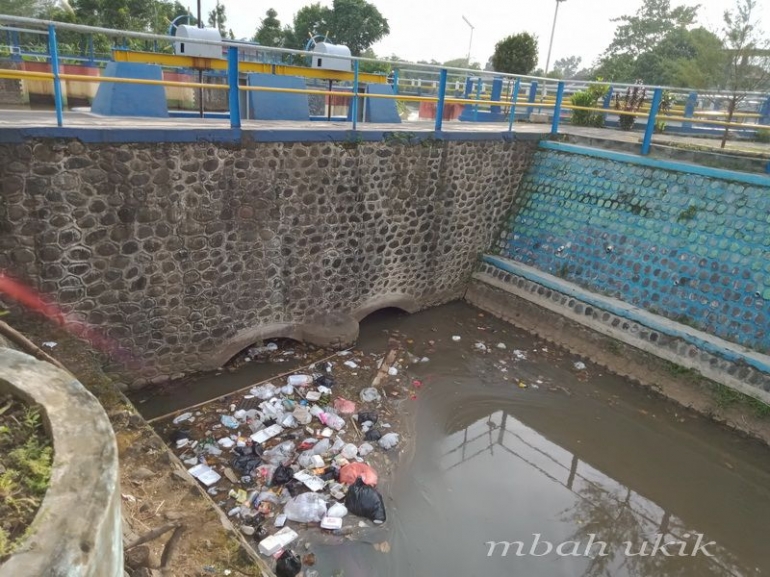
434	29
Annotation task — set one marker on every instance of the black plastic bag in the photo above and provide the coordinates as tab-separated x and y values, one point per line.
295	487
178	435
324	381
373	435
282	475
365	501
289	564
246	464
367	416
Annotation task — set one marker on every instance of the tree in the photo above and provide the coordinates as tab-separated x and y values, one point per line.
461	63
643	31
309	21
515	54
28	8
567	67
748	69
692	58
356	24
270	32
218	18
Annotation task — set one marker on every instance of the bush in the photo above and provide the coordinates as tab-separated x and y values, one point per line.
589	98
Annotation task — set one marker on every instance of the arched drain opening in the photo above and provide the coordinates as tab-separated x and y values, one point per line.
268	351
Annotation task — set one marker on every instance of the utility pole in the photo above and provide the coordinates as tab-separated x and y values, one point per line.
550	44
470	43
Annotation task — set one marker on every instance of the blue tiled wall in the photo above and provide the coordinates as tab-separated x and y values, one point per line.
692	248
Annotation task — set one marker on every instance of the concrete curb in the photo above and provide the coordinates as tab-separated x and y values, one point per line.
726	363
77	531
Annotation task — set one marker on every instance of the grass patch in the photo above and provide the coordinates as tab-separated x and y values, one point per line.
726	397
26	456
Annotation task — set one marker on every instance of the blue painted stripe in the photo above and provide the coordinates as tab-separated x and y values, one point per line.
752	179
631	313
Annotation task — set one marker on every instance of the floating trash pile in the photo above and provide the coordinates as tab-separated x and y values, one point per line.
282	458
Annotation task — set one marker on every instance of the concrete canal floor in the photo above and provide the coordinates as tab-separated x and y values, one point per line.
517	442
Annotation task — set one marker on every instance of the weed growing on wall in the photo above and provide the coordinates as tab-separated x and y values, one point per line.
26	455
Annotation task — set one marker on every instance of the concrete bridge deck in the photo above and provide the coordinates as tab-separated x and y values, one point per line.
129	128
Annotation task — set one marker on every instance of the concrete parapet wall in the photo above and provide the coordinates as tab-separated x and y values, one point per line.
77	531
183	253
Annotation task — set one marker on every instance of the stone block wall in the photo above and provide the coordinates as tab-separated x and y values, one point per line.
184	253
690	247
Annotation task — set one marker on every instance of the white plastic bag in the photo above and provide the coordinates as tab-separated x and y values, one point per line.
388	441
306	508
279	453
337	510
321	447
264	392
349	451
365	449
302	414
370	395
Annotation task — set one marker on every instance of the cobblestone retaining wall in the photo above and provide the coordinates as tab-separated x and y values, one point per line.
184	253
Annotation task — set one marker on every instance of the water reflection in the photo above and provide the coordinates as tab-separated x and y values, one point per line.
601	509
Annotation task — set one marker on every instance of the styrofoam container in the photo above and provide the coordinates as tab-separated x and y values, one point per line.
274	543
266	434
299	380
331	523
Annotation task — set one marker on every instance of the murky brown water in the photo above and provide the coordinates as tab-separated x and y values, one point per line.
582	454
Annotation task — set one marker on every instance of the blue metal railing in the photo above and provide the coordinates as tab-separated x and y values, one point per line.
482	90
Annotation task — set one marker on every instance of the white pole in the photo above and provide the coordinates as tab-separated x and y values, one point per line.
470	43
550	44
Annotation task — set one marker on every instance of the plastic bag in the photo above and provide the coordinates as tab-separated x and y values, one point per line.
370	395
331	420
282	475
373	435
306	508
321	447
279	453
349	451
337	510
289	564
302	414
353	471
305	459
246	464
364	449
389	441
229	422
264	392
365	501
370	416
324	381
344	407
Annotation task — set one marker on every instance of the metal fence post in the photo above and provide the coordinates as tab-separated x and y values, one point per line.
53	50
354	103
647	142
532	96
395	81
557	109
689	108
607	102
441	97
233	91
514	98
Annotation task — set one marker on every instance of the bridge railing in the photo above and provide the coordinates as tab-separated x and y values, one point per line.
510	99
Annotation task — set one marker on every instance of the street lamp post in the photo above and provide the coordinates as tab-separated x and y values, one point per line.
553	29
470	43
